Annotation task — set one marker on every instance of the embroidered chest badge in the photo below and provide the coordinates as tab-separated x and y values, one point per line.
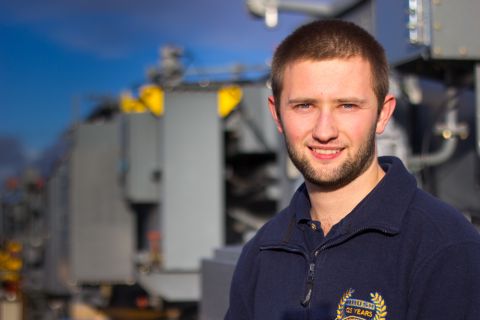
355	309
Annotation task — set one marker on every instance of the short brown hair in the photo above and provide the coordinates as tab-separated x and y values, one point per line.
330	39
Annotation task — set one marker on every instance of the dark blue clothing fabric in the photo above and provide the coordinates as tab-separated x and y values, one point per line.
400	254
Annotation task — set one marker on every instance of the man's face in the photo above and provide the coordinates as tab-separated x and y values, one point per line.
329	118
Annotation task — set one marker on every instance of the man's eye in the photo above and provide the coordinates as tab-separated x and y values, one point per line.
303	106
348	106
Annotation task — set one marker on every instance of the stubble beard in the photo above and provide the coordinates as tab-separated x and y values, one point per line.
332	179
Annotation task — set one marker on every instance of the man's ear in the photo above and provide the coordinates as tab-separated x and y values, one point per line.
386	113
275	115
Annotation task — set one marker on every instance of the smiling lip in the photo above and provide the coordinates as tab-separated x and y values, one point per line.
326	153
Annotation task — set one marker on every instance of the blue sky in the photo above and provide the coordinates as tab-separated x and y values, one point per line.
55	51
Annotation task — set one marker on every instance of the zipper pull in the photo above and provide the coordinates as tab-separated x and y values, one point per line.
311	276
308	296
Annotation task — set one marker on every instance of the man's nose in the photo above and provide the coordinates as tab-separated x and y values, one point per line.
325	128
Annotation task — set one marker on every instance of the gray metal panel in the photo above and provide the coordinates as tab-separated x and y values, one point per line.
446	29
477	105
363	15
261	132
141	152
192	222
102	233
391	30
56	250
216	278
457	184
455	28
172	286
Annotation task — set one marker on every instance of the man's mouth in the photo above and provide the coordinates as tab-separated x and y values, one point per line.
325	151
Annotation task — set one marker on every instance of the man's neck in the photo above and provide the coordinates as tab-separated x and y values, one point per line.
331	206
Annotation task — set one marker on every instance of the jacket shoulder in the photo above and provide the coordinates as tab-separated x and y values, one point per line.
439	220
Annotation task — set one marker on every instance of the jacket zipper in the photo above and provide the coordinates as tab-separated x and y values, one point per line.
305	301
311	268
310	279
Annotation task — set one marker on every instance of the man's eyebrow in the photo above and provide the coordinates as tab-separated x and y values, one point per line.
302	100
351	100
305	100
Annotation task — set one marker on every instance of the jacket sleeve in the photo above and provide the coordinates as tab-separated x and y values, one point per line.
242	287
447	285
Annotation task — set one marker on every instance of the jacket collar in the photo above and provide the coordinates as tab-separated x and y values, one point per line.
382	209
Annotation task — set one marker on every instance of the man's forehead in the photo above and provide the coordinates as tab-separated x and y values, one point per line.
303	64
342	83
349	59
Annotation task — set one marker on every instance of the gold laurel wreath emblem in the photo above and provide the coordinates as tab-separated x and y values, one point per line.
341	304
380	307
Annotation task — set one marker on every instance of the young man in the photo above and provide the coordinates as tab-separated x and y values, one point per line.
359	240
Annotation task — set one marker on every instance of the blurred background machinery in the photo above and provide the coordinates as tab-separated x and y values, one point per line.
152	195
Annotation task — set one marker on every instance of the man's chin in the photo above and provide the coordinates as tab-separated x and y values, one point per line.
327	184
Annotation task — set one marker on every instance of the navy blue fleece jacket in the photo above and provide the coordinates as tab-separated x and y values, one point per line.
400	254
